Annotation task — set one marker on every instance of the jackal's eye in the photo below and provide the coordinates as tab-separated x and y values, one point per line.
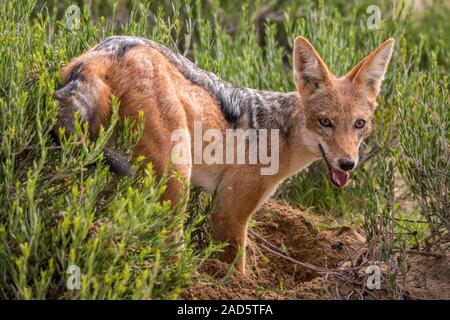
360	123
325	122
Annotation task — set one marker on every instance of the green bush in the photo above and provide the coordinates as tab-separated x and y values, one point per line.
424	152
60	205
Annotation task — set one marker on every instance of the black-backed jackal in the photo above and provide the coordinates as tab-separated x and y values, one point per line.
325	118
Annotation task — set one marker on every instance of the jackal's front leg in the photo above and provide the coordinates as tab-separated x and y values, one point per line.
238	196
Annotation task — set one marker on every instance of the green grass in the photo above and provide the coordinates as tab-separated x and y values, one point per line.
62	207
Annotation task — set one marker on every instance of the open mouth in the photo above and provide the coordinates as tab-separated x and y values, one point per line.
338	177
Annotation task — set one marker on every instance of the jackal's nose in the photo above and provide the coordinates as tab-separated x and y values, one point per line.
346	164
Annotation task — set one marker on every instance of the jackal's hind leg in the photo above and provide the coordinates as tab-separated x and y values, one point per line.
179	175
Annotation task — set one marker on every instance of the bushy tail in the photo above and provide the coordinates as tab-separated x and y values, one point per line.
90	97
117	162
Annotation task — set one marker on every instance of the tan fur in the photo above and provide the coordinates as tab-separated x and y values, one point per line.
144	80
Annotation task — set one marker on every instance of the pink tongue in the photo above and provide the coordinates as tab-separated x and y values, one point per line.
340	178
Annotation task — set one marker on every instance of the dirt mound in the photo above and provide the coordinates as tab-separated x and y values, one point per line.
313	240
428	277
268	275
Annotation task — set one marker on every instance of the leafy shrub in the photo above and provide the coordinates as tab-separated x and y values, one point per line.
424	147
60	205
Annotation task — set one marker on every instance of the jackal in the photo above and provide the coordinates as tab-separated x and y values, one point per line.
326	117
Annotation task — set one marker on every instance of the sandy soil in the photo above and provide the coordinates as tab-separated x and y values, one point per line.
270	276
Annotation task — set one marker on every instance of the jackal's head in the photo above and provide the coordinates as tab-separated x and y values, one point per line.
337	113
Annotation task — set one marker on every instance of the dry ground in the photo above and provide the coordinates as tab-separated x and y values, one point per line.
305	237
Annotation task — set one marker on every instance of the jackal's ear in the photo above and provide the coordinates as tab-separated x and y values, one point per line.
310	72
370	71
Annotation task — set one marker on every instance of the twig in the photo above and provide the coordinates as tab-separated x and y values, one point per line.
347	275
409	220
275	250
257	236
421	252
350	256
371	154
303	264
